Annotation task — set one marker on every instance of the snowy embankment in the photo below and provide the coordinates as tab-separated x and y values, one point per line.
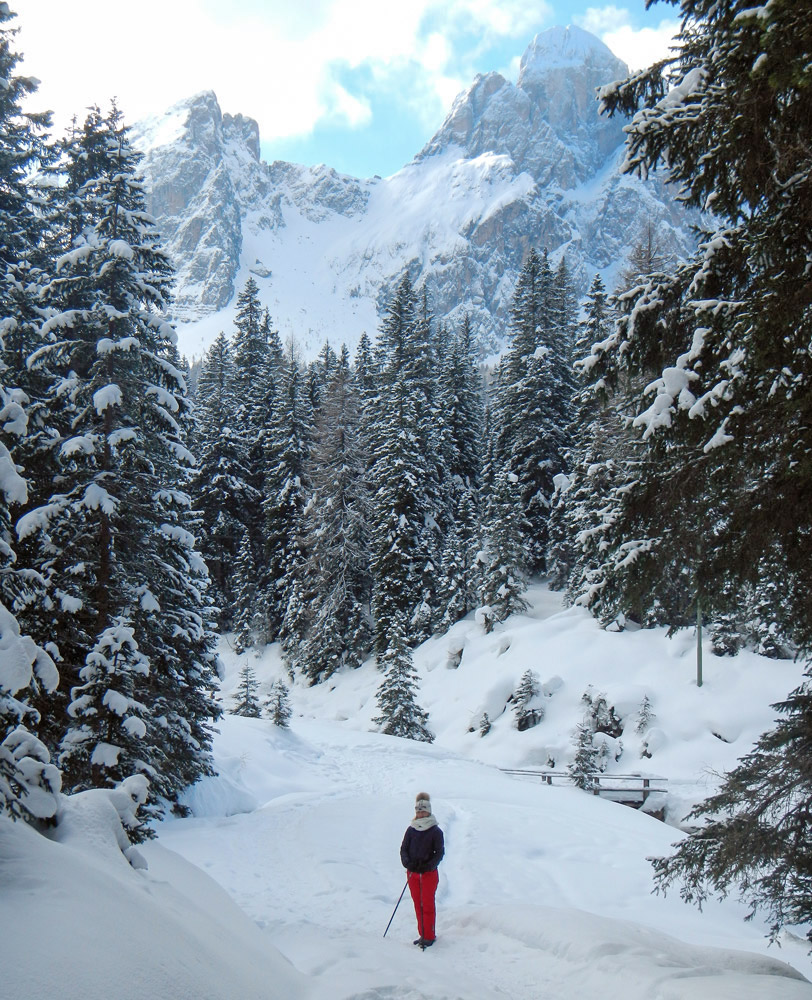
281	884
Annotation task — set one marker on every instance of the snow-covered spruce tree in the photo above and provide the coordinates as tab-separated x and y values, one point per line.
582	506
533	395
247	702
402	509
115	531
221	491
587	762
461	392
104	743
502	557
250	619
319	374
365	371
29	782
423	373
400	713
24	268
728	114
277	705
526	715
335	624
288	443
258	369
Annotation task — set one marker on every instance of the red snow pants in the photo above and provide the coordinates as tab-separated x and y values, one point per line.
422	887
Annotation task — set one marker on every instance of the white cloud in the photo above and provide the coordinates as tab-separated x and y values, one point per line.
279	61
638	47
602	19
504	18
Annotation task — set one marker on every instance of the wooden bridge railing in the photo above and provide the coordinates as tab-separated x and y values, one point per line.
631	789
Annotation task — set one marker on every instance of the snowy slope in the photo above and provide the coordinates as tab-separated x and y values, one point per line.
544	892
281	883
81	924
694	733
512	165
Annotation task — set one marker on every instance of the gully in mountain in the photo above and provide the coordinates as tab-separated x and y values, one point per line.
421	852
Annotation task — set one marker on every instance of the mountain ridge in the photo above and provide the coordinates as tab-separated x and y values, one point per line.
511	166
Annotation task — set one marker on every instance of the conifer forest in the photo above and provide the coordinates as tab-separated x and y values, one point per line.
646	448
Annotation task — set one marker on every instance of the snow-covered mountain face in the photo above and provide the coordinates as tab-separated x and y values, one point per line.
512	166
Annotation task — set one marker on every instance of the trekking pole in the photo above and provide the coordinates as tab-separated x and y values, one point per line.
396	908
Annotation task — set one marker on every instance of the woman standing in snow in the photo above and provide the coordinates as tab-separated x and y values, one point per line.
421	852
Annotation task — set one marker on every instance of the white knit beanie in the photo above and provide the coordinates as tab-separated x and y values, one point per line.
422	802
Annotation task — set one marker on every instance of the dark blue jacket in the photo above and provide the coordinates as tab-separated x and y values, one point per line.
422	850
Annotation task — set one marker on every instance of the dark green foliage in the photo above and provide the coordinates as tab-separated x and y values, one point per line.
726	336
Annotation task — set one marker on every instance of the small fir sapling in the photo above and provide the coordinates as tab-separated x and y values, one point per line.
484	725
278	705
602	714
527	690
247	701
588	758
645	716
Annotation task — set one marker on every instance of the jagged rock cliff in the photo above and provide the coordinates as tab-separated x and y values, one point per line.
513	165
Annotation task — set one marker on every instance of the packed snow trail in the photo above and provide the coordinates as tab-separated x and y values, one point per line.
544	892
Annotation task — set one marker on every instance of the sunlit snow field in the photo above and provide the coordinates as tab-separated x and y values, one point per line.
283	881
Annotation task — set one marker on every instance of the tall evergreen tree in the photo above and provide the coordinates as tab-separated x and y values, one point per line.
115	535
29	782
403	492
532	399
335	625
728	115
221	489
503	557
461	392
583	505
286	493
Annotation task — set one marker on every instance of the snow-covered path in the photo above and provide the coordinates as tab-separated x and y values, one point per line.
544	892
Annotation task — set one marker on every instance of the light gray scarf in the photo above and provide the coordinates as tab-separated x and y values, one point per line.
424	822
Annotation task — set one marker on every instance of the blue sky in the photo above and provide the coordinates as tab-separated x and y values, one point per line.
358	84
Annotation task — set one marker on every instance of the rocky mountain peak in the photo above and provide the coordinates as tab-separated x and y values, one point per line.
566	48
548	123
